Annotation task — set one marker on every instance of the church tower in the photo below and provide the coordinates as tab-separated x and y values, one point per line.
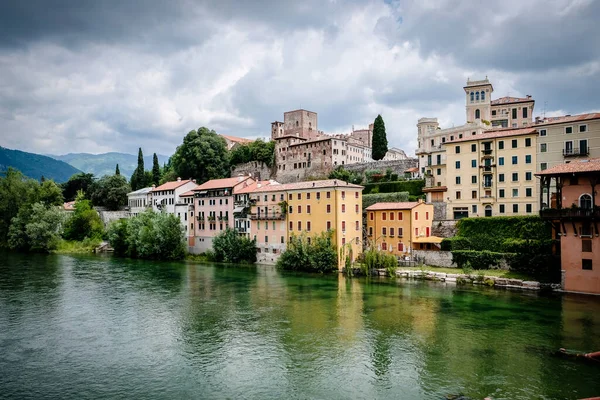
478	99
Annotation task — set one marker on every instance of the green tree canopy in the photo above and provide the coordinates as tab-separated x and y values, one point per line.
138	178
15	190
84	221
110	192
253	151
380	143
50	194
117	172
36	228
203	155
77	182
155	170
231	247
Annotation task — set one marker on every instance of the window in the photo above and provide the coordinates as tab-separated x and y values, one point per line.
501	145
399	215
528	192
543	147
439	171
542	132
527	142
472	96
308	226
585	201
343	195
384	246
528	159
370	231
328	225
318	195
457	164
500	160
482	95
307	196
474	179
457	195
291	226
528	208
528	176
568	129
371	216
515	160
515	176
357	226
474	194
474	163
328	195
543	166
514	113
501	208
582	128
473	148
416	231
328	208
500	177
586	245
474	209
399	232
586	264
477	114
299	226
383	216
457	180
356	195
356	210
515	208
400	246
416	216
514	143
343	226
308	209
291	209
476	96
457	149
299	209
343	208
384	231
426	215
391	216
501	193
515	193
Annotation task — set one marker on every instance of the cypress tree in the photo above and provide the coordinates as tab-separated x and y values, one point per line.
117	172
380	143
155	170
138	178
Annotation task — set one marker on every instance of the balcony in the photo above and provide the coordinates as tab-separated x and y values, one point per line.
487	185
487	169
486	152
576	151
575	213
268	216
223	218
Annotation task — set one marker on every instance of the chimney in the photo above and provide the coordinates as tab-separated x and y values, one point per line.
313	184
178	179
420	201
193	180
528	96
239	178
153	186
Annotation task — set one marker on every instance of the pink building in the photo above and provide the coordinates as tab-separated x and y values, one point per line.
213	209
575	216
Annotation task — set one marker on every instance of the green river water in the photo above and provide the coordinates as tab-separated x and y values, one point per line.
107	328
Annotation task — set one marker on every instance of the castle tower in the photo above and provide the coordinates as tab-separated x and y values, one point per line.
477	98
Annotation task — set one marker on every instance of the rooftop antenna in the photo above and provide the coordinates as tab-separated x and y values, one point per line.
545	104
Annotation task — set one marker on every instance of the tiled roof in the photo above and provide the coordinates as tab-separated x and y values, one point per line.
406	205
508	100
568	118
69	206
329	183
496	134
187	194
171	185
237	139
221	183
414	169
140	191
253	186
590	165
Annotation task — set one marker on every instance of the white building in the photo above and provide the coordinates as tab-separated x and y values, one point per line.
138	201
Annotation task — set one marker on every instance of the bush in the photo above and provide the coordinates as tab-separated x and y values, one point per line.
374	259
315	255
456	243
84	222
36	228
228	246
477	259
150	235
370	199
413	187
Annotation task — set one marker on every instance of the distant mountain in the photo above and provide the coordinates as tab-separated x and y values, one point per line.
36	165
104	164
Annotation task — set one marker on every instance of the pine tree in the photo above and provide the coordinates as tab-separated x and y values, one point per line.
380	143
155	170
117	172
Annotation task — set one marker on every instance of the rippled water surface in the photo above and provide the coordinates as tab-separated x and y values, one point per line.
107	328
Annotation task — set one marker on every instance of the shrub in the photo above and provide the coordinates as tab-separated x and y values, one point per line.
413	187
456	243
370	199
477	259
315	255
36	228
374	259
228	246
84	221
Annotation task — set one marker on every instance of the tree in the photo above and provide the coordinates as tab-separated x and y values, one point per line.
36	227
110	192
203	155
138	177
15	190
380	143
76	183
315	255
50	194
117	172
84	221
155	170
345	175
231	247
253	151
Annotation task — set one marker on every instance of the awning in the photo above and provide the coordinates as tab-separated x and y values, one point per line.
238	210
430	239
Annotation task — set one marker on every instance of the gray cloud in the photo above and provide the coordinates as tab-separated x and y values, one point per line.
114	75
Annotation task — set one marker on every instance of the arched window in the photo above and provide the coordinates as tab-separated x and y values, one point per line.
488	211
585	201
477	114
477	96
482	95
472	94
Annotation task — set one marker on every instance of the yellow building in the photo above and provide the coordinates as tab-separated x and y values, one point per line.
398	227
491	174
279	211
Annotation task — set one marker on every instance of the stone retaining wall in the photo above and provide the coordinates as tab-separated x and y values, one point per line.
257	169
444	228
109	216
397	166
435	258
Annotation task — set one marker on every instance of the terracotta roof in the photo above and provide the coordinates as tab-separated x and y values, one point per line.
145	190
496	134
69	206
328	183
568	118
406	205
590	165
171	185
508	100
237	139
414	169
221	183
187	194
253	186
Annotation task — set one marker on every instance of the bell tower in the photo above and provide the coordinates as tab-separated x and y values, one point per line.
478	99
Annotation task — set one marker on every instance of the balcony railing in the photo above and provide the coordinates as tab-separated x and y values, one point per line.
486	152
487	168
554	213
267	216
487	184
573	152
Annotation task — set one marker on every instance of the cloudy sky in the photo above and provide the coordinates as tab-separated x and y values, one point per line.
113	75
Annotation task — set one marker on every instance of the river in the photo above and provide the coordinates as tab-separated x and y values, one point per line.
92	327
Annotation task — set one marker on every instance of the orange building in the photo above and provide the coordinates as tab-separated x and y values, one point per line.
575	217
399	227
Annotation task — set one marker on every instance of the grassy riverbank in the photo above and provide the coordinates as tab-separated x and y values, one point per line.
498	273
77	247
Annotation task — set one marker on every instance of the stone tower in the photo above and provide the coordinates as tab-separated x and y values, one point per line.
478	97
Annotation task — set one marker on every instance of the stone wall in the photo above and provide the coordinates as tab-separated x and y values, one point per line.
439	210
257	169
109	216
435	258
443	228
397	166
